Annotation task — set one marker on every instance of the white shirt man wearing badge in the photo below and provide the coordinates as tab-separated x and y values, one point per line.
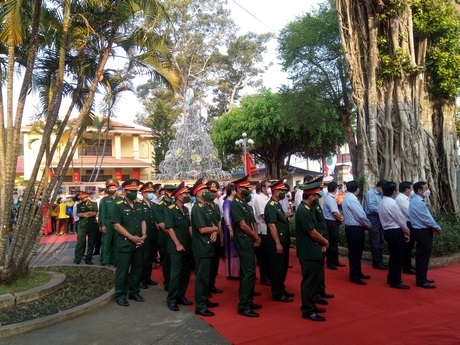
261	199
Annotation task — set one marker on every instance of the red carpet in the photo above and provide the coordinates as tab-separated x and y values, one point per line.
372	314
58	239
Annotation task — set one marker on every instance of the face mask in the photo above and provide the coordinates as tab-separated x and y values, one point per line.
269	191
186	199
193	199
247	198
131	195
426	194
150	196
209	196
321	194
111	192
168	199
282	195
245	192
411	194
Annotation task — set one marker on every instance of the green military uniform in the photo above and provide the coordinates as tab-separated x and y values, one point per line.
203	252
310	256
109	245
240	210
86	227
129	256
277	263
150	246
159	213
181	262
321	227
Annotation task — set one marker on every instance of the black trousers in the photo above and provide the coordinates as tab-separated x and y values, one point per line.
408	247
355	238
423	246
395	241
332	253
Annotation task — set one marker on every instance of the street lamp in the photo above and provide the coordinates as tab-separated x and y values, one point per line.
244	142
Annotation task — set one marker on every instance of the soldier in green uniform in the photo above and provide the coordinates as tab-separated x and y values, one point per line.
214	211
106	207
310	247
129	222
87	226
278	243
177	223
245	238
160	211
204	235
150	246
322	229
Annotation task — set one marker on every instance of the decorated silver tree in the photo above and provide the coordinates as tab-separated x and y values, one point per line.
191	154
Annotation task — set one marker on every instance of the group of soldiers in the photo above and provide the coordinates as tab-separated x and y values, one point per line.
135	229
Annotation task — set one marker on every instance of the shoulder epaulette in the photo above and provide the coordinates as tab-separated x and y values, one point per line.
119	202
161	202
200	204
171	206
273	203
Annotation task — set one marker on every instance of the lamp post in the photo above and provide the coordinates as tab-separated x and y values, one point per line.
244	142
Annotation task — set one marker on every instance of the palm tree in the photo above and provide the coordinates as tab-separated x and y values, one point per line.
69	43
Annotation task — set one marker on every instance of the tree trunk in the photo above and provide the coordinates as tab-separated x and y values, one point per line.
407	132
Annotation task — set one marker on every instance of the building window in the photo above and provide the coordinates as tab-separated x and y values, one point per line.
92	147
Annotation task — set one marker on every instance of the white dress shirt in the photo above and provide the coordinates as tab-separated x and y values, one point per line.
402	200
390	214
259	209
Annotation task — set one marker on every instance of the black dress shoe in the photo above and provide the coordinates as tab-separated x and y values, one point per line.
256	293
380	267
136	297
256	306
365	276
332	267
216	290
319	310
88	262
409	271
283	298
184	301
400	286
430	281
77	262
340	265
321	300
327	295
204	312
173	307
313	317
150	281
143	285
122	302
426	285
210	304
248	313
358	281
289	294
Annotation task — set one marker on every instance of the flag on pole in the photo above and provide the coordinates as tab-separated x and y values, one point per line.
251	167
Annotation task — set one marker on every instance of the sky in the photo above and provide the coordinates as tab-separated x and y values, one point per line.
258	16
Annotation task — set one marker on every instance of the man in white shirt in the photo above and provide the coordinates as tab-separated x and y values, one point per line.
403	200
395	231
261	199
298	195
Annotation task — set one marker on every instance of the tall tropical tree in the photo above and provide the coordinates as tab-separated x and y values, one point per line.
404	66
68	42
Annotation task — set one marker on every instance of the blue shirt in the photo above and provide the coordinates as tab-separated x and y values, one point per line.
330	207
371	201
353	212
420	216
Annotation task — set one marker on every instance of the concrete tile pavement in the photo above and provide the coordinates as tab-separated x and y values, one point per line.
150	322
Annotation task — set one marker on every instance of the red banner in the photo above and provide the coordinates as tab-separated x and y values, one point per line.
249	165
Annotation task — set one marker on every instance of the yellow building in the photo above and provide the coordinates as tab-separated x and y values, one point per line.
128	154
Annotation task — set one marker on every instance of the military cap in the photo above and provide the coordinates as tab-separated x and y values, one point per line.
81	195
278	185
242	182
212	185
147	187
199	185
169	188
180	189
311	188
132	184
112	182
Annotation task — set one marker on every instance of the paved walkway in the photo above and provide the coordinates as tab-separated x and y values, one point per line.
145	323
